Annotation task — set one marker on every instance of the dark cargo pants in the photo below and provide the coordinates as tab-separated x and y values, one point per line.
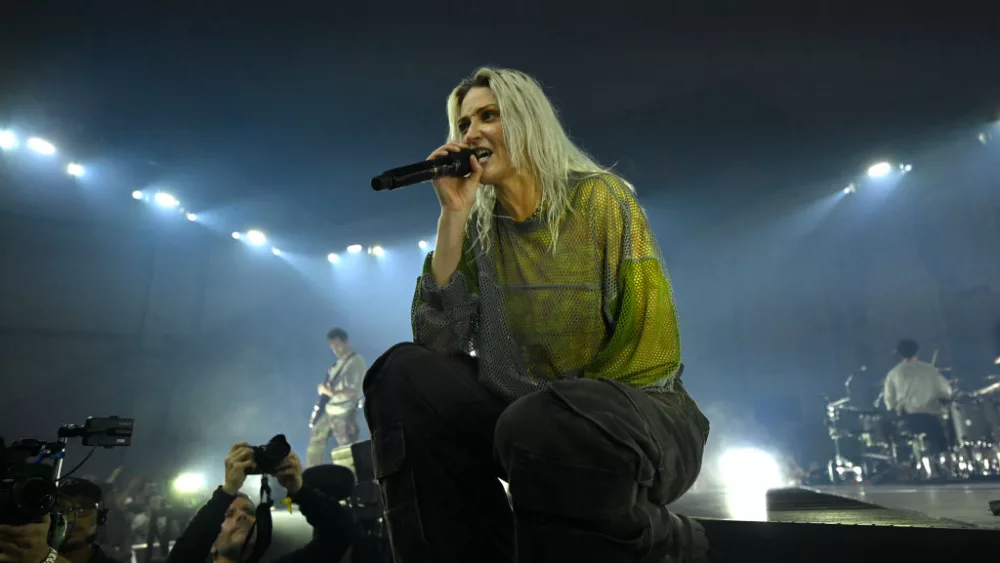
343	429
591	464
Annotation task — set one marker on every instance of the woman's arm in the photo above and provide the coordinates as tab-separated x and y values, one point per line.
446	300
644	348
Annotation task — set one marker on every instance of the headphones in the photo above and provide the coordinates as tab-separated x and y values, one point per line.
60	525
102	513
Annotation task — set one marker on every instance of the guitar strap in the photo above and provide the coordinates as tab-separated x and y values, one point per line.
331	380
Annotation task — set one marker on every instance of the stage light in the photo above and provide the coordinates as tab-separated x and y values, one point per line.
189	483
879	170
906	167
163	199
256	237
997	361
8	140
276	252
851	188
74	169
237	236
333	257
41	146
750	468
192	217
354	248
376	251
137	195
422	244
982	138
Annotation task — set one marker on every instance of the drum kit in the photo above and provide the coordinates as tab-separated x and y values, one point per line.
871	444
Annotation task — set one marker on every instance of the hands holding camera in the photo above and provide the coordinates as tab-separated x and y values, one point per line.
240	463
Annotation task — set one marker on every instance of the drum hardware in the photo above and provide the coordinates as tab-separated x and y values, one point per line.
868	445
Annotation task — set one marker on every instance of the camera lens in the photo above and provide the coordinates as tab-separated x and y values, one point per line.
34	498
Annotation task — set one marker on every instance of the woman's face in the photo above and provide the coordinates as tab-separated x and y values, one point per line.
481	128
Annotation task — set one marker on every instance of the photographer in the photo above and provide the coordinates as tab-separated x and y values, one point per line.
80	502
226	530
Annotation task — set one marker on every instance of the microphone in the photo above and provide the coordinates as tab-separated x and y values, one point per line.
455	164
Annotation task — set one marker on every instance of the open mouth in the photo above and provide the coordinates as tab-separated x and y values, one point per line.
483	155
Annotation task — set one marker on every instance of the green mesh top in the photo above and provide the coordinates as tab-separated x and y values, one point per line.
601	306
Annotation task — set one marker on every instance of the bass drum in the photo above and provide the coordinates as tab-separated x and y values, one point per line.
877	428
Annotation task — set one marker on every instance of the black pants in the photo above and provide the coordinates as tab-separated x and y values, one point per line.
931	427
591	464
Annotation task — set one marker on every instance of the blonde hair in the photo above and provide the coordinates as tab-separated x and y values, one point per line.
536	142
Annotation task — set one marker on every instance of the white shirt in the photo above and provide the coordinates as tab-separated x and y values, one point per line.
916	387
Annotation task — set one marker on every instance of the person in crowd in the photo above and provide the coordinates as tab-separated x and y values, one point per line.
225	529
546	352
336	412
917	391
80	508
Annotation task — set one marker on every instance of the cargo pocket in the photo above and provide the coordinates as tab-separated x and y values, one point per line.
569	512
395	478
693	411
560	489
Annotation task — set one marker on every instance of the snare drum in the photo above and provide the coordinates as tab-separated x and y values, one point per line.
847	421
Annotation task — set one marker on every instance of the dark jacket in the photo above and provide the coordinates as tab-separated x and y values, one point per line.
331	522
99	556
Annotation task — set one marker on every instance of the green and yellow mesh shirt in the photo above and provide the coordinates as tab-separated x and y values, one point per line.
601	306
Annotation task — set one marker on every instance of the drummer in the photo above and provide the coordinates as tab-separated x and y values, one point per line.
916	390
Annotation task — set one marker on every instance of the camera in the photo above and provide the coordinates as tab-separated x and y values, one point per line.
27	487
268	457
30	469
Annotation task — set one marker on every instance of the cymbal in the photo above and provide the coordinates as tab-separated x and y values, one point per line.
988	390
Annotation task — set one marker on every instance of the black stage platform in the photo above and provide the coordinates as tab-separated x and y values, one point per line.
914	524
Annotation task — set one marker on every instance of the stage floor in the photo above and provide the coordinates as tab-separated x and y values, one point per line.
962	508
960	505
963	502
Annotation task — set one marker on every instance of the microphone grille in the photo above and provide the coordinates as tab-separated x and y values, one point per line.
382	182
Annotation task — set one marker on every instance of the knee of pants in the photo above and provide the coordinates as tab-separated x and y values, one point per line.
523	425
400	384
393	368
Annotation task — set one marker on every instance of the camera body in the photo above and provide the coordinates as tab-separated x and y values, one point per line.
30	469
27	486
268	457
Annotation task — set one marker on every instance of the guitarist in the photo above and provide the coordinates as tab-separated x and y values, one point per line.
335	413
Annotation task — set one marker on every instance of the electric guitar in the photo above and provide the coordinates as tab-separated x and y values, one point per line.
329	382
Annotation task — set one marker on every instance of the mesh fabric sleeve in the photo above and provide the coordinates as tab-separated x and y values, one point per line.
444	318
644	348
